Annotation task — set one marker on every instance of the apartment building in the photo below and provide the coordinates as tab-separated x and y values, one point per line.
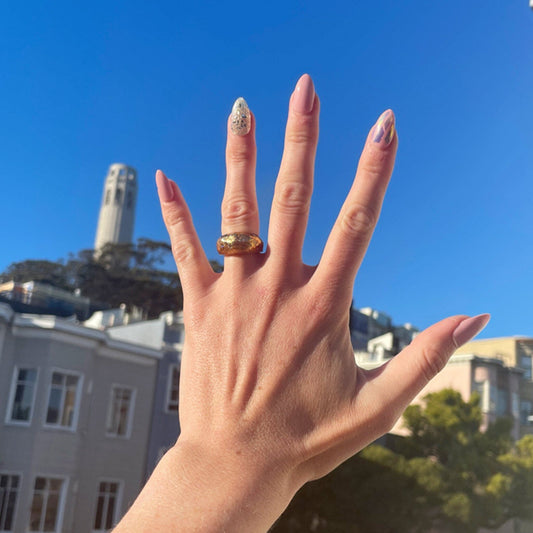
165	333
77	406
498	385
516	351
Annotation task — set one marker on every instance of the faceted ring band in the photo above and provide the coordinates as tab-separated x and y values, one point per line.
239	244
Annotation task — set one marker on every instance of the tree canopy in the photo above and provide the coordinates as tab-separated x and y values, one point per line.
446	475
131	274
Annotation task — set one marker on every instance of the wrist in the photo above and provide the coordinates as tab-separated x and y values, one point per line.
202	489
234	489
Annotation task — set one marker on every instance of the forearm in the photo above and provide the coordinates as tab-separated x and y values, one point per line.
192	491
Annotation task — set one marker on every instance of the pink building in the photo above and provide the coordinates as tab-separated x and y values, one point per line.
497	385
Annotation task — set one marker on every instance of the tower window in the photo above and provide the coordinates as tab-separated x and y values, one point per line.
118	196
121	172
129	201
107	196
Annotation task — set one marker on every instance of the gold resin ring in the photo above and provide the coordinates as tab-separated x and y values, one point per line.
239	244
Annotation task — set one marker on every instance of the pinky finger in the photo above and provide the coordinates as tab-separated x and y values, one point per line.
193	267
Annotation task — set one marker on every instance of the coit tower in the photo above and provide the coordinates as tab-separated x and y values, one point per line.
117	213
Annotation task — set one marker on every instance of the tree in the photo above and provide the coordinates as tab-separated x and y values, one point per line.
446	475
40	270
119	273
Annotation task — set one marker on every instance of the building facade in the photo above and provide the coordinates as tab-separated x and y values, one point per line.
514	351
117	211
374	331
166	334
76	406
497	385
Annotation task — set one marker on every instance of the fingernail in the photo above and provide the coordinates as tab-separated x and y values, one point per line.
241	120
304	95
384	128
469	328
164	187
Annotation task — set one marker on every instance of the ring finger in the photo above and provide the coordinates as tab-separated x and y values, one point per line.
239	205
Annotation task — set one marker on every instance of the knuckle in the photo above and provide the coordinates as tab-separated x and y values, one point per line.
174	217
293	197
359	221
239	155
432	361
375	164
182	251
238	209
303	132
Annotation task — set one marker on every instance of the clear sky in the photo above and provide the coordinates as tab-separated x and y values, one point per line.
150	84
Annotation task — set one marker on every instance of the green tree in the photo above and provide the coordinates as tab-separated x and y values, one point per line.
133	274
446	474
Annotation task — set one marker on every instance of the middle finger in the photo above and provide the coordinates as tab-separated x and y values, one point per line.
292	196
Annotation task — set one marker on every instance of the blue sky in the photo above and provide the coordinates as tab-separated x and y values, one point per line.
151	84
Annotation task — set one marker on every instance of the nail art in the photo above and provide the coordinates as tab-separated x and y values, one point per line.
241	120
384	128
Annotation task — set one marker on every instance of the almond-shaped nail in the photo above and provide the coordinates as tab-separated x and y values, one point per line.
164	187
384	128
469	328
304	95
241	120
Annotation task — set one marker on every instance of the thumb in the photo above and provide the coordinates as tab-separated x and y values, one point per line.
405	375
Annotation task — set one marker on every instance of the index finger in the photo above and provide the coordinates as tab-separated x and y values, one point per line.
351	234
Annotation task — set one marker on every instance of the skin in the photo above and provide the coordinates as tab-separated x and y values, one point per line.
270	395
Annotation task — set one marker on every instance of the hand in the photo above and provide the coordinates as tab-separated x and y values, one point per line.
270	395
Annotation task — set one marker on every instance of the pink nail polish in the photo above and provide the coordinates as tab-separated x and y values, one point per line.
164	187
384	129
469	328
304	95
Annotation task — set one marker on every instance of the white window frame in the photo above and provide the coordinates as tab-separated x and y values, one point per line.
171	369
12	392
19	490
60	507
131	410
77	401
118	502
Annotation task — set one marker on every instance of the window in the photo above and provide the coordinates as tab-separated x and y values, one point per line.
23	395
106	506
107	196
526	412
45	506
118	196
129	201
515	405
120	412
525	363
173	388
484	390
502	402
9	485
63	399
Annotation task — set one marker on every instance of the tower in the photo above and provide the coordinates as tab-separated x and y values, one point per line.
117	213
